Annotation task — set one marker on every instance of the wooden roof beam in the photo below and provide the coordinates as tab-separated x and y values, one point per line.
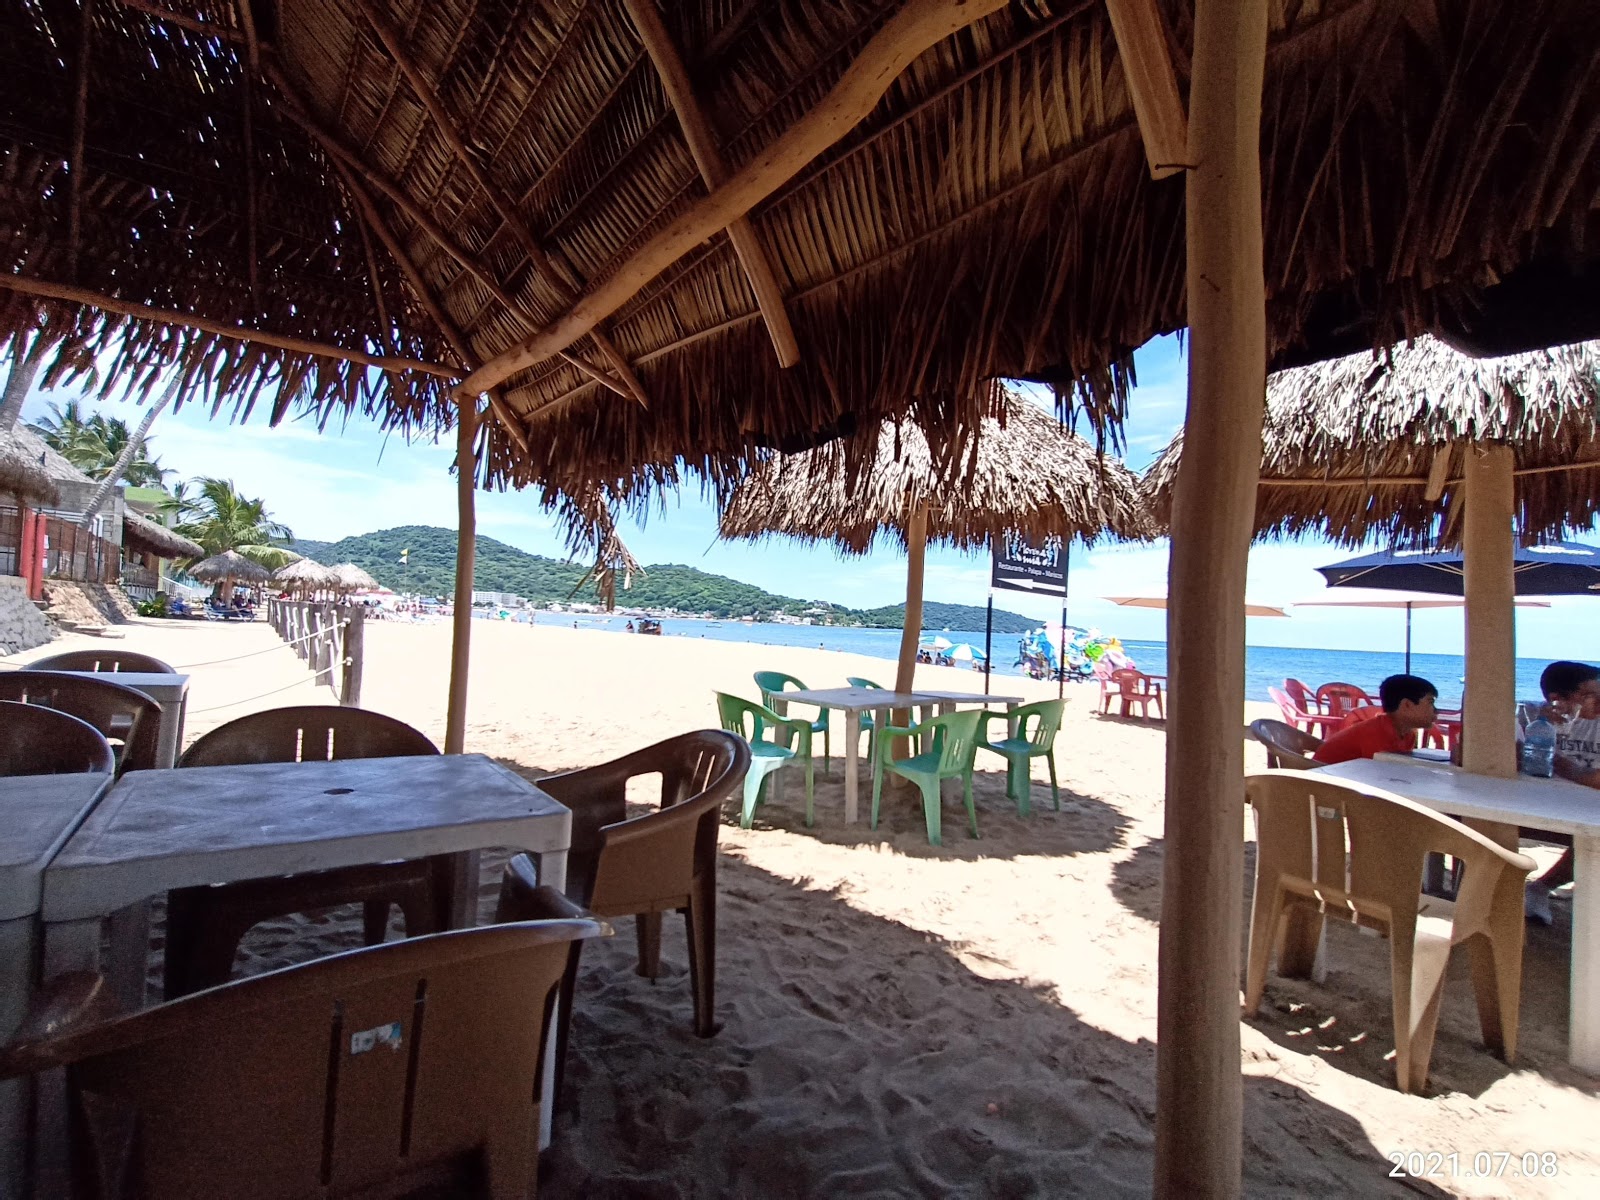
918	26
714	170
557	272
1147	63
192	24
143	312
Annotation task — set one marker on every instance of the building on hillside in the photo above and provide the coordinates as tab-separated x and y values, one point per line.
500	599
150	546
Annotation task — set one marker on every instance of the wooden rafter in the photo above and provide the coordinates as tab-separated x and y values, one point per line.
714	170
80	122
916	27
1147	64
144	312
252	203
192	24
419	287
556	271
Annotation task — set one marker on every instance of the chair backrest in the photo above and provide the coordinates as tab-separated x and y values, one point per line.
1129	681
1286	745
649	862
1337	699
955	738
1290	710
333	1077
1359	851
1037	723
1300	694
1360	713
108	661
772	683
312	732
35	740
856	681
745	717
121	715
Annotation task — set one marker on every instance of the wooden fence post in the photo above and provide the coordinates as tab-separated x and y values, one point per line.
355	637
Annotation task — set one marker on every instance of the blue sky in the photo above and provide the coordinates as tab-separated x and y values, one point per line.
355	480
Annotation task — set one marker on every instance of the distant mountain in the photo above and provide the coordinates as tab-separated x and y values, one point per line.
431	571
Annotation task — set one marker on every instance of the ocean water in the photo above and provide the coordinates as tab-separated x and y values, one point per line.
1265	666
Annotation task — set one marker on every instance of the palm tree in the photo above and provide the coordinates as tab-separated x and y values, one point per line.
132	462
222	519
102	448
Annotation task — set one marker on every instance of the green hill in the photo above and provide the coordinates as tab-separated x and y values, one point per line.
431	571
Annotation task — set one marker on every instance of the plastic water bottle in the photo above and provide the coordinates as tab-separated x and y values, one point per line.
1539	749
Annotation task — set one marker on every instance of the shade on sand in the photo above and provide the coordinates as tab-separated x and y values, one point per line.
1017	472
229	567
1350	445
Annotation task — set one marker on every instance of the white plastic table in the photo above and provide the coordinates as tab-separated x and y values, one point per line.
853	701
170	691
1554	804
37	815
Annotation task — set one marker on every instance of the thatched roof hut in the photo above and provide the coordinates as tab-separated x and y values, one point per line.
23	478
229	567
437	186
304	575
1368	445
141	533
347	577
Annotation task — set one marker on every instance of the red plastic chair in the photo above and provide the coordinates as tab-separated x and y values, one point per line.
1301	695
1340	699
1129	687
1316	723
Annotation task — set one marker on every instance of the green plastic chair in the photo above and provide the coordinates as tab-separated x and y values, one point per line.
1035	737
954	740
856	681
767	754
772	685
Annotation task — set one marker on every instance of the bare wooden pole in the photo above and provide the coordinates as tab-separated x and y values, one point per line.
1199	1092
1488	542
919	25
455	721
80	122
167	316
714	170
252	218
916	557
1147	63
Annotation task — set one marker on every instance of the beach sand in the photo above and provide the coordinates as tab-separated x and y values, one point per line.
900	1020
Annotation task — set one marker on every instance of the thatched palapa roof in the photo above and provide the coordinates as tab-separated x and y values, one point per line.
23	477
926	194
1017	473
144	534
304	573
348	577
229	565
1350	445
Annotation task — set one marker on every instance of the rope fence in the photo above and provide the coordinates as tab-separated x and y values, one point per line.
325	636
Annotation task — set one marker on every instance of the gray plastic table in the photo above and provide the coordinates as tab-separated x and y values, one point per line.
37	815
158	830
170	691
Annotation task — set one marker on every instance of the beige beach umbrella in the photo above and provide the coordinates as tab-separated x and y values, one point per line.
1160	602
1017	472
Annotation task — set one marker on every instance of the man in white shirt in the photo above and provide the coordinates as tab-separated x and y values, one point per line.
1572	695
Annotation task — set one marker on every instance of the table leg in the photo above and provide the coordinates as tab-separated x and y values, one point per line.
130	955
463	898
852	764
552	866
1585	1026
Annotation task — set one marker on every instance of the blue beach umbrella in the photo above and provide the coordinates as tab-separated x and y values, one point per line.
1553	569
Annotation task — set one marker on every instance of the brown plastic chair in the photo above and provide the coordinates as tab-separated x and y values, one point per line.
206	924
35	740
646	865
129	720
366	1073
1286	745
1304	872
107	661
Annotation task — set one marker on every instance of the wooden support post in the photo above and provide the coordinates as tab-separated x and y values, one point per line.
1488	739
1199	1091
455	726
1147	64
355	641
916	554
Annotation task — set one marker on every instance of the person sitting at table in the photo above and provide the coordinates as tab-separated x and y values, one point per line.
1408	706
1572	703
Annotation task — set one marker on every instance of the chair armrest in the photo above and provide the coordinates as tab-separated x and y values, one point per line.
597	796
985	716
68	1006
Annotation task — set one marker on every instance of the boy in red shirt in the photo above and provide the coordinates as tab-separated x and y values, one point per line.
1408	705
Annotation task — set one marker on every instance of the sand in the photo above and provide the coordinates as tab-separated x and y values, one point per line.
977	1020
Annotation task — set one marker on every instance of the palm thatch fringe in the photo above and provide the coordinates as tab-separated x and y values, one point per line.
23	477
1015	473
229	566
348	577
1351	445
143	534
